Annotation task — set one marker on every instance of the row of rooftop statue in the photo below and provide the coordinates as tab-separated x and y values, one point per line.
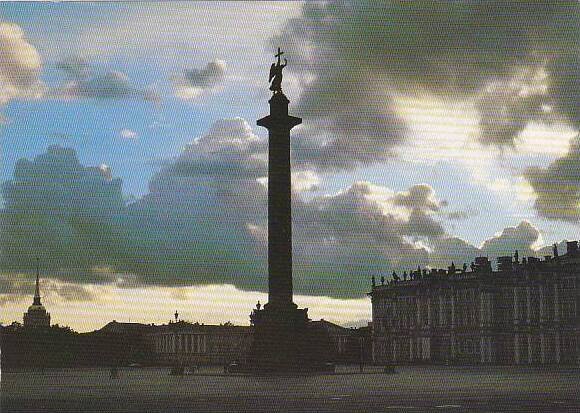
480	264
421	274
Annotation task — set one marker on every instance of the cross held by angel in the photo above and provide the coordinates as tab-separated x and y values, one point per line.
276	74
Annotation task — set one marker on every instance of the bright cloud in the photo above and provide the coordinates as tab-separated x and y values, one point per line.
20	66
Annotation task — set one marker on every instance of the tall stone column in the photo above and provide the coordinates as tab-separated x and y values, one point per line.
284	339
279	124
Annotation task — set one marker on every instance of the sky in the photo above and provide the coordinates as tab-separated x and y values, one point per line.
132	167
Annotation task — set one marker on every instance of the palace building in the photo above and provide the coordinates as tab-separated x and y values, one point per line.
37	316
526	312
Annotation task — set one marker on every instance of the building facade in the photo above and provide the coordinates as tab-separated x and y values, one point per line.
526	312
188	343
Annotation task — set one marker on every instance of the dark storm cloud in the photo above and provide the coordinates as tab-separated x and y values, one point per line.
557	187
352	56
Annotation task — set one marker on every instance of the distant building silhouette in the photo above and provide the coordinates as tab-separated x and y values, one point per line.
37	316
194	343
524	313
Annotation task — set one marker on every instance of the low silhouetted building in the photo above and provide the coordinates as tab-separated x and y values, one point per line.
526	312
196	343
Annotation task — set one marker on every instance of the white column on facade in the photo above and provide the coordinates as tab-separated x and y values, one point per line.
418	301
482	349
489	309
441	309
420	348
453	323
453	345
410	349
557	347
429	315
528	305
517	348
541	295
556	302
516	308
452	307
530	349
542	348
481	309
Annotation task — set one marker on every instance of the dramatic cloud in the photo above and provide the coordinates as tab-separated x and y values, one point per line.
83	81
557	187
229	149
351	57
204	222
507	106
20	65
192	83
341	240
18	287
522	238
59	211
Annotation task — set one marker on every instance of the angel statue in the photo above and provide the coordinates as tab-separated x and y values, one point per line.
276	74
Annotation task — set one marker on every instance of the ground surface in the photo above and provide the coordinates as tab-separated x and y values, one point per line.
419	389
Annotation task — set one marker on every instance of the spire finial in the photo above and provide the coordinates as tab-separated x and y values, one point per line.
37	289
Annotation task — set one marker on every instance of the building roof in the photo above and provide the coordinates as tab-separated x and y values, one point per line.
481	269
